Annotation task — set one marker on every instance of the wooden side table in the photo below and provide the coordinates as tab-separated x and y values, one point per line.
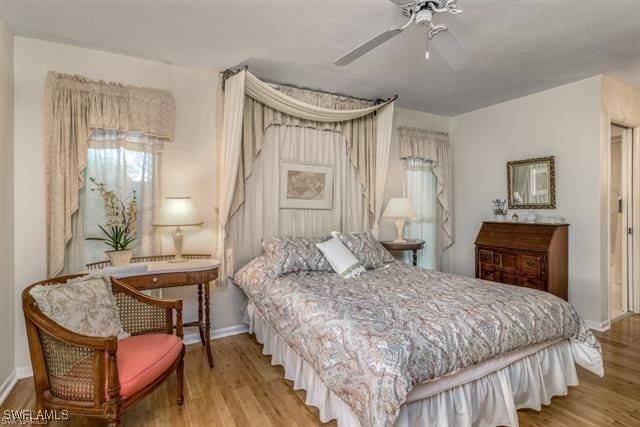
410	245
198	271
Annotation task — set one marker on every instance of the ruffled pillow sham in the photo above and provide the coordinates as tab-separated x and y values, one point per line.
289	254
366	248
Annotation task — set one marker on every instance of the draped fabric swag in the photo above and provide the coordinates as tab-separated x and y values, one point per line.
252	107
73	107
433	146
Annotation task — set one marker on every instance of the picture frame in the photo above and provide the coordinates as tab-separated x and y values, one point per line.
306	185
540	182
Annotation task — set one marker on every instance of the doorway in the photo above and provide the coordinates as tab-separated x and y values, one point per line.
621	218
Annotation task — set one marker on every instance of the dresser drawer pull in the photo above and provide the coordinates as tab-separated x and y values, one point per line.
154	279
485	257
531	262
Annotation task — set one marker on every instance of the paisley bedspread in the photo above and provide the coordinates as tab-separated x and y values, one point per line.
372	338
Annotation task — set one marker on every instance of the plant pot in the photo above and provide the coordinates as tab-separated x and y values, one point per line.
499	218
120	258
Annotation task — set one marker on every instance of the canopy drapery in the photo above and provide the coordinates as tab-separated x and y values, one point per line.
73	106
252	106
433	146
259	217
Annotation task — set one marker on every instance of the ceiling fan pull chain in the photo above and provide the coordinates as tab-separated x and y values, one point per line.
426	54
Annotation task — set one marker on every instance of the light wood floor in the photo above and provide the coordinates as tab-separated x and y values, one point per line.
243	389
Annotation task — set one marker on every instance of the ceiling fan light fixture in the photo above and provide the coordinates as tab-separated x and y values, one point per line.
424	17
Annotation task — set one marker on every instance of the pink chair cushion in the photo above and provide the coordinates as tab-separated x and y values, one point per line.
143	358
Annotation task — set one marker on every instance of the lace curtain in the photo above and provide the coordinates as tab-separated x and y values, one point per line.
421	190
73	107
433	146
125	162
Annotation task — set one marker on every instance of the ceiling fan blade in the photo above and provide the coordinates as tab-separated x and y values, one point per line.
453	52
365	47
403	3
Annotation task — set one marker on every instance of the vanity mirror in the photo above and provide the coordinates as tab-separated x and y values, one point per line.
532	183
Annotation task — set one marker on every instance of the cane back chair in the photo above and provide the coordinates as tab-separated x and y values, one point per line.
80	373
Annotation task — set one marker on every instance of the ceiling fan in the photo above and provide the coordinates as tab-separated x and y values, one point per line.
420	12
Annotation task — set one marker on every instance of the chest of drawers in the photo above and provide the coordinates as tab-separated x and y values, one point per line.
529	255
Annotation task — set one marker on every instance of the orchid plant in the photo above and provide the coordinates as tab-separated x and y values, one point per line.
121	215
499	207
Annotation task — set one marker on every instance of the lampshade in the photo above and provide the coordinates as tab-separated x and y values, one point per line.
399	207
177	211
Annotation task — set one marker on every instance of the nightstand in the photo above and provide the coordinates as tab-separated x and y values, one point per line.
410	245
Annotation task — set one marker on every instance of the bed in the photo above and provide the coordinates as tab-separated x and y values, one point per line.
405	346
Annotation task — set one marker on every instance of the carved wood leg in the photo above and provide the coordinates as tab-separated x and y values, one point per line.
180	374
415	257
115	422
200	323
114	404
207	323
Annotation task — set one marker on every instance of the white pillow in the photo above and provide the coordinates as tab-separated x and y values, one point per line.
340	258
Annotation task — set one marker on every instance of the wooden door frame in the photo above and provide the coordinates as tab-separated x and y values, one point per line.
631	218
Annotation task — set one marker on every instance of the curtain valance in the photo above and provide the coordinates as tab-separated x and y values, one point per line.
433	146
251	106
73	106
116	106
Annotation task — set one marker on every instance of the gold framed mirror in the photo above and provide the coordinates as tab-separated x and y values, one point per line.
532	183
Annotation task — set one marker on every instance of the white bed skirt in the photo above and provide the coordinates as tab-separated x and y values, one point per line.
491	400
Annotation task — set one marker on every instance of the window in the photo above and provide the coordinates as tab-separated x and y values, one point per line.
421	190
125	162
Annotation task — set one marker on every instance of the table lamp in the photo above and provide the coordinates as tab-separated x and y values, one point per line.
400	209
177	212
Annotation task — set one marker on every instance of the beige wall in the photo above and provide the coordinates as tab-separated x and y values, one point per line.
563	122
7	317
620	104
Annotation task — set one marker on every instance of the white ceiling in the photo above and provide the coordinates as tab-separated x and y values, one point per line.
519	46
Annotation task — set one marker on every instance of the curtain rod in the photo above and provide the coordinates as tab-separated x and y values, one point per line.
230	73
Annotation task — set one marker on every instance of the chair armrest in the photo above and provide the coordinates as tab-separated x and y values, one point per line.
143	314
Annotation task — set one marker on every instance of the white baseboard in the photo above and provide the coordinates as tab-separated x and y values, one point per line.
218	333
7	386
598	326
26	371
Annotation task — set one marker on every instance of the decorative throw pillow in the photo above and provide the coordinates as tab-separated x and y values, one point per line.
84	305
288	254
254	272
366	248
341	258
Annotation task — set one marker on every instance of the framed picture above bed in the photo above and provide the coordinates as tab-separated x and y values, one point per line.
306	186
